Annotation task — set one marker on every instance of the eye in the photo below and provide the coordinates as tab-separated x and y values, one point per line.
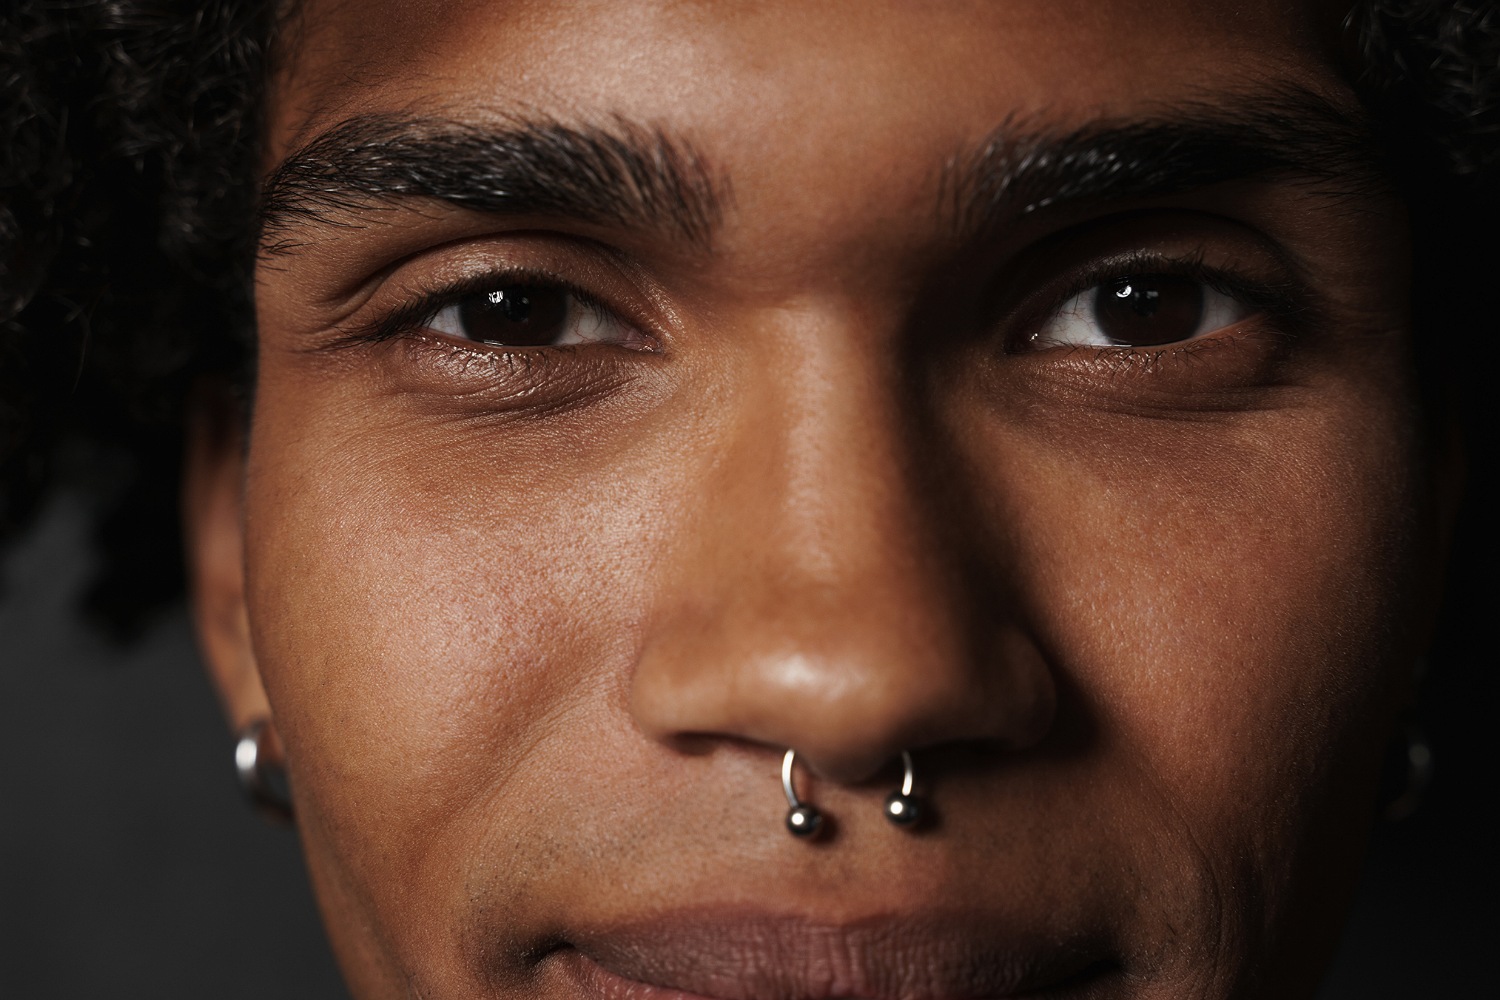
1144	310
533	315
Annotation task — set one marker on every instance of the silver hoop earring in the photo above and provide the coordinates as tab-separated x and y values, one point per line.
903	808
263	783
802	820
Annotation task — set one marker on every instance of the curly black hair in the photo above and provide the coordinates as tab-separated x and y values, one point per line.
129	136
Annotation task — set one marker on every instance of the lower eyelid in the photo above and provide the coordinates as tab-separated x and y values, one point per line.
437	365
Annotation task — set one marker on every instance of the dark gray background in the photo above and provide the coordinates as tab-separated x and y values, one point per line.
129	866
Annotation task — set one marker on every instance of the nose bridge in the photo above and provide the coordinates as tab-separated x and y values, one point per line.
839	459
823	524
822	605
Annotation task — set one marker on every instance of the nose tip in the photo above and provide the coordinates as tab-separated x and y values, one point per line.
848	691
857	716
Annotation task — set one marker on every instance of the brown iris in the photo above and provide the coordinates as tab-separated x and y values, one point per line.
1149	309
517	316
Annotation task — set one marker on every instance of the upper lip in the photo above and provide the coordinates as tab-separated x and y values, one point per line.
755	957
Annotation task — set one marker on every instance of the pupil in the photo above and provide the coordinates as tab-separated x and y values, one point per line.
1148	309
515	305
1143	300
516	316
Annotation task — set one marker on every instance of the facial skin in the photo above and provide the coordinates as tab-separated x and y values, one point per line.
838	473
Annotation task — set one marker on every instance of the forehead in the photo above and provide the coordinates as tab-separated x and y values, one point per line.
730	71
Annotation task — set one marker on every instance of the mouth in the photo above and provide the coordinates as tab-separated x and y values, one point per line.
719	957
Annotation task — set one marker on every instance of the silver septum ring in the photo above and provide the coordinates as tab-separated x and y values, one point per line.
802	820
902	807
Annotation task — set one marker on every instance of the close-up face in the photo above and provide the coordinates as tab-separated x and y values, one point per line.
645	390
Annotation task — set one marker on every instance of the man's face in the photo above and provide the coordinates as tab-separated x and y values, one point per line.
645	389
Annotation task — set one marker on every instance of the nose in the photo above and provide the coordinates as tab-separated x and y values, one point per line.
829	595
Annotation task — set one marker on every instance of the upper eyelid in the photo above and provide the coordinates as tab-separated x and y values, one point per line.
434	267
1281	298
640	306
1193	265
1234	255
423	305
411	317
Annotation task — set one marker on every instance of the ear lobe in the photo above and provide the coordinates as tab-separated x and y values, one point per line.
214	539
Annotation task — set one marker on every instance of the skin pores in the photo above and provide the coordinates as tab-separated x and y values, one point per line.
535	623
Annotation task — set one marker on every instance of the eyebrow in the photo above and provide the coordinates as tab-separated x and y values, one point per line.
617	173
624	174
1282	133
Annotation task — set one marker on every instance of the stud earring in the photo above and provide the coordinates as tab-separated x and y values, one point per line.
263	782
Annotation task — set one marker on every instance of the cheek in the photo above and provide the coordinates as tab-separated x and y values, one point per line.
427	604
1219	596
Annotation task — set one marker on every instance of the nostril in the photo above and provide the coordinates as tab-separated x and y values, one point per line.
848	717
860	730
849	677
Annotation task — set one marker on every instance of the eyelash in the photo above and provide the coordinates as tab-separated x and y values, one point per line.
1285	302
414	315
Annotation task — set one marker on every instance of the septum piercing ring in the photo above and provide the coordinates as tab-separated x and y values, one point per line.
902	807
802	820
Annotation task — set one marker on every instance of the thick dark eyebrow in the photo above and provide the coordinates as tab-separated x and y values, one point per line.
1285	133
615	174
624	174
